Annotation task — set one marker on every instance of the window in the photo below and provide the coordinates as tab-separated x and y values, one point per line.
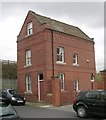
76	84
28	57
60	54
75	59
29	29
40	77
92	77
103	95
61	77
93	95
28	83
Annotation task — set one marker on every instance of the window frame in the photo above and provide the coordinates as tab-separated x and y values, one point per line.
60	54
29	28
40	77
76	85
61	76
28	57
92	95
28	83
92	77
75	59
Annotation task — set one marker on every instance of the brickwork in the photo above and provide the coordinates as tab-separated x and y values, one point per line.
103	84
40	44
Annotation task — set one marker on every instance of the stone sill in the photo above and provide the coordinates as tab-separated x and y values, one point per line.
28	92
75	64
60	63
28	65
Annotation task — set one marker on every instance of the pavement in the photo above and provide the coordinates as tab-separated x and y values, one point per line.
50	106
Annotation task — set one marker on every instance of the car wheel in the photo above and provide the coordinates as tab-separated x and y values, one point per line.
81	112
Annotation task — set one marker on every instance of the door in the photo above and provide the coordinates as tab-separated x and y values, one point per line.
40	87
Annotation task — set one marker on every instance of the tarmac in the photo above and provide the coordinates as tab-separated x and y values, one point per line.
50	106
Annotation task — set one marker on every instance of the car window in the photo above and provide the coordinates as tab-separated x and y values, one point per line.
4	94
81	94
0	93
92	95
12	92
103	95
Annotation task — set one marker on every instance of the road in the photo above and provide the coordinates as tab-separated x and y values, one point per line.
37	112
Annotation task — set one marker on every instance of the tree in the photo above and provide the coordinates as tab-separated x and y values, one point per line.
98	77
9	71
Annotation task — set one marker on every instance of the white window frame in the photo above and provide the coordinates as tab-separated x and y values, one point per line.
92	77
28	57
62	82
76	85
28	83
29	29
75	59
60	55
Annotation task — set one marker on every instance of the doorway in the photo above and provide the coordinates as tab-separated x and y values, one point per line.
40	87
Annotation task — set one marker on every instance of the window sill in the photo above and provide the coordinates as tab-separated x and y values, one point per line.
49	94
75	64
28	35
63	91
77	91
28	92
92	80
28	65
60	63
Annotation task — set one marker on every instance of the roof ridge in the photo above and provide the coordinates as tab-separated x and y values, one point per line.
61	26
52	19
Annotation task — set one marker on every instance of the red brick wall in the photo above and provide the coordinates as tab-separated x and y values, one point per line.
103	73
40	45
85	50
102	83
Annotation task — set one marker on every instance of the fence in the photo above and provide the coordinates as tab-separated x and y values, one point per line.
9	84
8	74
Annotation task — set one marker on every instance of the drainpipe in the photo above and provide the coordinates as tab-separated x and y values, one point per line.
52	54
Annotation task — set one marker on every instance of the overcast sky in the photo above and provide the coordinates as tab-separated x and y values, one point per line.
88	16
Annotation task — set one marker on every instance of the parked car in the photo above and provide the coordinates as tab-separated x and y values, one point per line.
13	96
7	111
90	102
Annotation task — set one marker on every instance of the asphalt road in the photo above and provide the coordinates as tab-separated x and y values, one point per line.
35	112
52	112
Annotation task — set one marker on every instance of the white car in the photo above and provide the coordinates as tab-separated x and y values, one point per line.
7	111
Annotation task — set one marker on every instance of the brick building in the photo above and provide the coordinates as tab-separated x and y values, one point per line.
48	49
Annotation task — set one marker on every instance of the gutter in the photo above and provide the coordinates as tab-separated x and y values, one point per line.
52	53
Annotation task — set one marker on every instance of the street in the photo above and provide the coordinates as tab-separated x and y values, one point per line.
35	112
28	111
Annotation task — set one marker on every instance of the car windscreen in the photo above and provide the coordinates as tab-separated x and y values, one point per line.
12	92
7	110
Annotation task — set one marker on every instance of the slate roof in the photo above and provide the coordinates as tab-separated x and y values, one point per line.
61	27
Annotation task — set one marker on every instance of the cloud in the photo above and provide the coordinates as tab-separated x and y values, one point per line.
89	16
